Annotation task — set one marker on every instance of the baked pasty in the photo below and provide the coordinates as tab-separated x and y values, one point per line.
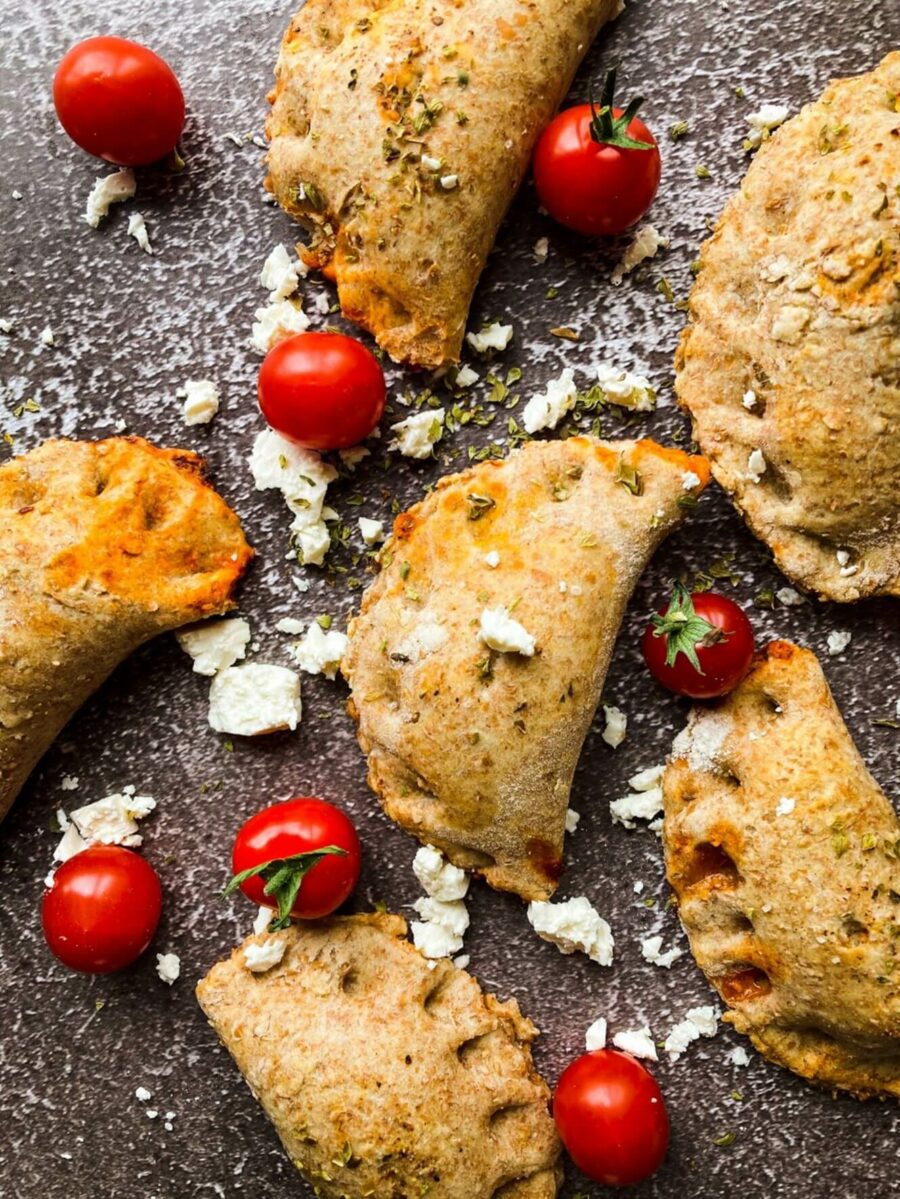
385	1077
102	546
400	132
790	366
785	858
472	749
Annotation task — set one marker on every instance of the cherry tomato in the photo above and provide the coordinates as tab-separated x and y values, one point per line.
701	645
597	169
323	390
611	1117
278	846
118	100
102	909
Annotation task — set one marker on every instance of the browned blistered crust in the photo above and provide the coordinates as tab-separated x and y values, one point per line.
364	89
386	1075
794	916
102	546
474	751
798	301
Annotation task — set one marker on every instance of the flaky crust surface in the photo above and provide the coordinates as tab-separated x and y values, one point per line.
384	1077
798	301
102	546
363	89
793	915
474	751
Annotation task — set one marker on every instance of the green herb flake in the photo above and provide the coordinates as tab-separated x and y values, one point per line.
725	1139
702	172
678	130
628	477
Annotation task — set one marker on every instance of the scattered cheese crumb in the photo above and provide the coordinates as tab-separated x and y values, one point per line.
111	189
625	388
113	820
500	632
201	401
216	644
644	802
689	480
168	967
739	1056
785	806
438	877
416	436
137	228
320	651
302	478
638	1042
263	920
763	121
440	932
572	819
143	1095
651	950
281	274
492	559
749	399
756	466
616	726
254	699
838	640
573	925
789	597
645	244
493	337
449	182
546	410
275	322
595	1037
466	377
6	326
698	1022
47	338
69	782
260	956
372	531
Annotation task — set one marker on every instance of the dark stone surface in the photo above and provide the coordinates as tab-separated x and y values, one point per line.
129	330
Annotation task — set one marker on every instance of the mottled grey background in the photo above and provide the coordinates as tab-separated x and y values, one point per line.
129	330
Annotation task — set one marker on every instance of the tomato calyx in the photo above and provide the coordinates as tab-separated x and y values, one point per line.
284	878
606	128
684	630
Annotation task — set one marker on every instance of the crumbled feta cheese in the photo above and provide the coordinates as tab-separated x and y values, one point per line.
260	956
275	322
698	1022
439	878
763	121
201	401
372	531
461	962
625	388
449	182
302	478
492	559
72	842
651	950
595	1037
785	806
216	644
69	782
573	925
168	967
352	457
320	652
142	1095
499	631
542	248
111	189
749	399
789	597
262	920
466	377
416	436
838	640
572	818
6	326
151	1113
739	1056
493	337
431	164
137	228
546	410
440	932
756	466
638	1042
644	802
290	625
616	726
789	323
254	699
645	244
689	480
46	336
426	638
638	887
281	274
113	820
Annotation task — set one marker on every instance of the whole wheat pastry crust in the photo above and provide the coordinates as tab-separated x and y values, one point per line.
785	857
474	751
102	546
369	96
386	1075
793	346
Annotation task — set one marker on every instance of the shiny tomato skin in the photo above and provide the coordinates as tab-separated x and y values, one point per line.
611	1117
297	826
724	664
119	101
595	189
325	391
102	909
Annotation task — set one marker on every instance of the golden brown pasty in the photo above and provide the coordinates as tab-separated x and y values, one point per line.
382	1075
785	857
471	747
102	546
790	366
400	131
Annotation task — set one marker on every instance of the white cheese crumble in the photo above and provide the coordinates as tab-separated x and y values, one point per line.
113	820
416	436
838	640
142	1095
46	336
262	920
698	1022
6	326
595	1037
572	819
439	878
573	925
137	228
689	480
201	401
216	644
789	597
638	1042
260	956
739	1056
168	967
756	466
466	377
275	322
763	121
440	932
111	189
290	625
352	457
499	631
492	559
281	273
371	531
542	249
302	478
625	388
645	244
644	802
494	337
785	806
69	782
651	950
250	700
320	651
449	182
616	726
546	410
426	638
749	399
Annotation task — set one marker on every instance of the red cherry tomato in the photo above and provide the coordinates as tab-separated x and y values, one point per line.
272	841
118	100
323	390
597	169
102	909
701	645
611	1117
